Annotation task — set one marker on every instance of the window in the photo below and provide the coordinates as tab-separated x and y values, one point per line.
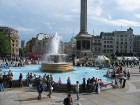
111	42
95	49
111	46
111	50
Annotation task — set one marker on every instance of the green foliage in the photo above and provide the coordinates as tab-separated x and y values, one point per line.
5	45
22	52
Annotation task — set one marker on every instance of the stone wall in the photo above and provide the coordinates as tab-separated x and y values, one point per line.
56	87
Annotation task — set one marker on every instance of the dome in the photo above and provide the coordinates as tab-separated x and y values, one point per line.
73	39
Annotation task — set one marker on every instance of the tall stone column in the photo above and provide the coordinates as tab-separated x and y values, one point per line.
83	17
83	39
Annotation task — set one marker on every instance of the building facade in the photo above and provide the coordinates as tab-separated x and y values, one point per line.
14	39
97	43
118	42
69	47
36	46
22	43
39	46
136	45
121	43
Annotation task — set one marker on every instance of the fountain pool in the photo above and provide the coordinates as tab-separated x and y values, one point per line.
77	75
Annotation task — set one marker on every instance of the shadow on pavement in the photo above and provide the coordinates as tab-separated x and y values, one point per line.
59	101
29	99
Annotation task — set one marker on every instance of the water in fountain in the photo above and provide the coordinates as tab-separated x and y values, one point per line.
54	45
54	50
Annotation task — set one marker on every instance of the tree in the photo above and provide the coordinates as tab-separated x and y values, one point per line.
22	52
5	45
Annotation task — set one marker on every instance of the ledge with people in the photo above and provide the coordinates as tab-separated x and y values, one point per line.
32	80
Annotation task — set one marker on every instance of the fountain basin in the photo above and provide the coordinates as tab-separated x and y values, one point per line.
56	67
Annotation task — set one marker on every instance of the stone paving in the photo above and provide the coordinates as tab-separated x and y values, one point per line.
28	96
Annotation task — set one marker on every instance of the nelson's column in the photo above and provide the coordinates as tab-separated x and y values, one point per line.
83	39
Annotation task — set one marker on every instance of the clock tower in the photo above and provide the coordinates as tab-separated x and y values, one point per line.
83	39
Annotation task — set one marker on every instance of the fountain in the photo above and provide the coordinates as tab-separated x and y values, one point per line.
55	60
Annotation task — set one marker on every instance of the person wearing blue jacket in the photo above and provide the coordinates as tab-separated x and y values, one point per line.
40	89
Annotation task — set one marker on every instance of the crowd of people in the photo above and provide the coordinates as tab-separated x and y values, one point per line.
92	84
119	74
7	80
17	63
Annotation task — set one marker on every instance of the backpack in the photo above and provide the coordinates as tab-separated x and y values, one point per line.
66	102
39	88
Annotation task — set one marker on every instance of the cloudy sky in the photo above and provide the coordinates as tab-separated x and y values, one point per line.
31	17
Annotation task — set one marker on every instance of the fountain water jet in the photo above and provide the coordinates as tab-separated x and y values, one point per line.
55	60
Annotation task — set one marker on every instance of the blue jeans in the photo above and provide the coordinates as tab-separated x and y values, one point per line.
77	93
1	87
